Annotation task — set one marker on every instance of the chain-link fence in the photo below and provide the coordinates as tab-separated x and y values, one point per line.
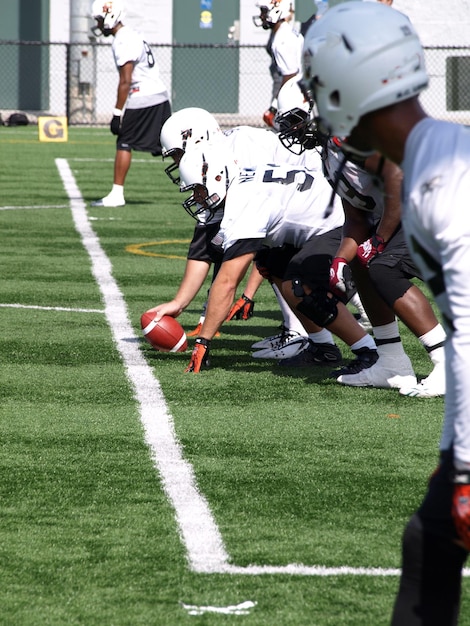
231	81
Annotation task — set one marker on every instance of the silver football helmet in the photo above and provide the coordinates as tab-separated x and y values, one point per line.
207	170
107	14
183	129
360	57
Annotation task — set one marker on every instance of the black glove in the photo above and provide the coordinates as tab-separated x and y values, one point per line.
115	125
242	309
199	356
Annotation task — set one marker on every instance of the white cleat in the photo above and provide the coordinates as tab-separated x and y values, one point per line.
109	201
431	387
284	349
275	341
388	372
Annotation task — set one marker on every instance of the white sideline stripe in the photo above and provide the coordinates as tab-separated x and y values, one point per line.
35	206
50	308
199	532
91	160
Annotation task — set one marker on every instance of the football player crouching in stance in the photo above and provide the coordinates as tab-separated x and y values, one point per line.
373	246
191	126
276	215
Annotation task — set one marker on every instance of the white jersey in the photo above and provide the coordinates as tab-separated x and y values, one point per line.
278	204
361	189
252	146
436	219
147	88
287	46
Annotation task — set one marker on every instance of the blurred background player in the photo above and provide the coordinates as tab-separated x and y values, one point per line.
284	46
142	102
373	245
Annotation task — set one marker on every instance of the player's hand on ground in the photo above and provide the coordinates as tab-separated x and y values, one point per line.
369	249
199	356
242	309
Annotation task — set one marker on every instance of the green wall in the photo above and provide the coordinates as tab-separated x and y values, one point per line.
24	70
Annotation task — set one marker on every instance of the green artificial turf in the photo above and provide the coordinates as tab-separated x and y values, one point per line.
295	468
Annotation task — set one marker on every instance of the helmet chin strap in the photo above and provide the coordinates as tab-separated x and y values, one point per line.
349	149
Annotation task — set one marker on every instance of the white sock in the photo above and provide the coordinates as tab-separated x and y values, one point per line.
357	303
290	320
323	336
117	191
434	337
386	331
366	342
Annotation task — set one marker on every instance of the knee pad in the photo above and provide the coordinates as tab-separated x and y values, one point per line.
318	306
391	283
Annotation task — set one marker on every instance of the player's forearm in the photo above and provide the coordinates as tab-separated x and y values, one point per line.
193	279
220	300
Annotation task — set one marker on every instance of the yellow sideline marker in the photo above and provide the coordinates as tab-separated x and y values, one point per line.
53	129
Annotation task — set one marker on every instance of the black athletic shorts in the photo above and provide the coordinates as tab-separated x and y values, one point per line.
201	247
141	128
396	254
311	263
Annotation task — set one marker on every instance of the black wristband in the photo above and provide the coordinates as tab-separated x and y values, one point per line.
203	341
460	477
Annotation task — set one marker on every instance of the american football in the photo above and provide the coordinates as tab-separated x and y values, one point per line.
166	335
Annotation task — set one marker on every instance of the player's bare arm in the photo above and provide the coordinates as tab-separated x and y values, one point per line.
222	292
194	276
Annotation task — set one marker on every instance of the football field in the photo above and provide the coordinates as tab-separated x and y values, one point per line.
135	494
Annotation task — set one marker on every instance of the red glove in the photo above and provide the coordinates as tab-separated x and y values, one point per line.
269	116
369	249
461	507
340	274
242	309
199	356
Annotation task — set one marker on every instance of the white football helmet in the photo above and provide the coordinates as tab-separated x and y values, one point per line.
107	13
206	169
184	129
360	57
297	128
272	12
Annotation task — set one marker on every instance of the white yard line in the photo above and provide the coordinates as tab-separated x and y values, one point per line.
35	206
49	308
199	532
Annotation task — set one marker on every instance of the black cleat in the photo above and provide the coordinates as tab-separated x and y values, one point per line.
314	354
